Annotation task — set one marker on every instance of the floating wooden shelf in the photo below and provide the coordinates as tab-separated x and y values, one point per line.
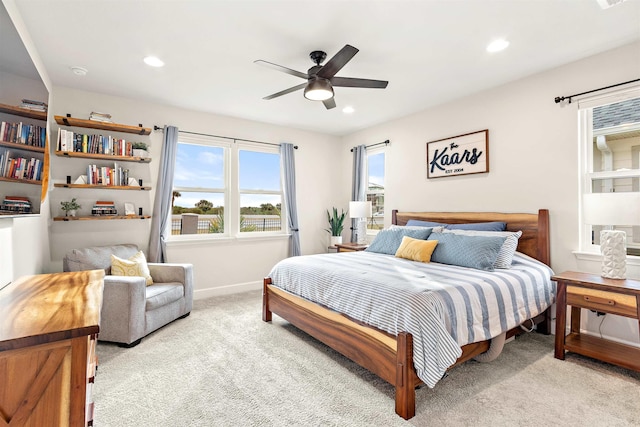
105	187
103	156
23	112
99	218
114	127
22	146
23	181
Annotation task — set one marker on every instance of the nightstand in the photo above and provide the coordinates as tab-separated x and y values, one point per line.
593	292
350	247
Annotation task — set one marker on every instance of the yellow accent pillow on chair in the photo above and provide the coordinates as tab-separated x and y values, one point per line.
134	266
416	249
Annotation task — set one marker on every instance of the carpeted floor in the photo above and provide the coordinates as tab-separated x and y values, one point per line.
223	366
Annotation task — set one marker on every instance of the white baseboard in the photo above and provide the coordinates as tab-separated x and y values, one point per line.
226	290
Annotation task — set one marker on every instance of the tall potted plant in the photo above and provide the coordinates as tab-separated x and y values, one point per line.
336	225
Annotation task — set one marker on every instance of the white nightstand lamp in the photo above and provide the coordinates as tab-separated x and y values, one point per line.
360	211
612	209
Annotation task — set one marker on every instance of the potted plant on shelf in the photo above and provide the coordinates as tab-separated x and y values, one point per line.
336	225
139	149
70	208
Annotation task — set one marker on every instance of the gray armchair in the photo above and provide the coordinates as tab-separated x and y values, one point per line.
130	308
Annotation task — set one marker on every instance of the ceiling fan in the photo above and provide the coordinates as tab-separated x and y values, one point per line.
321	79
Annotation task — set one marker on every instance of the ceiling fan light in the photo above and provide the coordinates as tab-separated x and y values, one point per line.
318	89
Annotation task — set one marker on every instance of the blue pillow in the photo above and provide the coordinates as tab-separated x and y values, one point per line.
479	226
388	241
479	252
418	223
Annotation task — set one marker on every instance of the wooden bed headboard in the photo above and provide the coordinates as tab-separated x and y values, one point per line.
535	227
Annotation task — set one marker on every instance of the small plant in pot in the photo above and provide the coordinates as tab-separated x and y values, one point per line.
139	149
70	208
336	225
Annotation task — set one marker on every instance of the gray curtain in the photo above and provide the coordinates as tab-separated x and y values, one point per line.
359	186
289	167
161	218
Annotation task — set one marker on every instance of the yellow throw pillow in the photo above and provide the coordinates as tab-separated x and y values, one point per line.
416	249
134	266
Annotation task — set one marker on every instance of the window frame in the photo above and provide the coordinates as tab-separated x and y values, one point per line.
231	190
586	134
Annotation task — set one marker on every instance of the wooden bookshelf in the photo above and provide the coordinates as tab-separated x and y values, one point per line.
105	187
23	112
93	124
23	181
103	156
99	218
21	146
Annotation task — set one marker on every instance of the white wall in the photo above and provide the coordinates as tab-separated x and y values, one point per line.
219	266
533	155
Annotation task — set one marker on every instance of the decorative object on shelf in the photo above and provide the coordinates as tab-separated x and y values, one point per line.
610	210
15	205
139	149
336	224
129	208
70	208
458	155
360	211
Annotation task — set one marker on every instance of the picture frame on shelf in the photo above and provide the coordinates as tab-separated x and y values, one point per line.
129	208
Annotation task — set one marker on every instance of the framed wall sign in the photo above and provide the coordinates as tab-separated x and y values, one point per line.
458	155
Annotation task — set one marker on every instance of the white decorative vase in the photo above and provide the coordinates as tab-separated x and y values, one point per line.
614	254
71	212
140	153
336	240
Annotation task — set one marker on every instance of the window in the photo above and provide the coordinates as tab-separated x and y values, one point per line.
375	188
610	159
224	189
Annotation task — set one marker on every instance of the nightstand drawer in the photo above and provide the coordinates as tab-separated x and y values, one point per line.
608	302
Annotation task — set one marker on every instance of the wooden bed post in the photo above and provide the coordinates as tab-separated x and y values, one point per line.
405	388
266	313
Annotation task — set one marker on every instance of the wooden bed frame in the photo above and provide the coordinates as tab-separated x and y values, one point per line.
370	347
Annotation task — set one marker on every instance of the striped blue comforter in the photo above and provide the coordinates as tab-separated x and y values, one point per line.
444	307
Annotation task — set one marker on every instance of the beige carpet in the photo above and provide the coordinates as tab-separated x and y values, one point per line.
223	366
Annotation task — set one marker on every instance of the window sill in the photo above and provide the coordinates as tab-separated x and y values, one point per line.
597	257
207	240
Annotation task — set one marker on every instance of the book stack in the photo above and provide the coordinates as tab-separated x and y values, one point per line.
15	205
34	105
104	208
100	117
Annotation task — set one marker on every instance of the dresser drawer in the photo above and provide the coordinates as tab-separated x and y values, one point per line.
607	302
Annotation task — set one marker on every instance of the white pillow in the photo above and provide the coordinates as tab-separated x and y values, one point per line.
508	249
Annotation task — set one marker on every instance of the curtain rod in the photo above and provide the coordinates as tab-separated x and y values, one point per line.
559	99
155	127
373	145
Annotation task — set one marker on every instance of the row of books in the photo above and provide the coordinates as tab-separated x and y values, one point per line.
23	133
105	175
15	204
104	208
94	144
20	167
30	104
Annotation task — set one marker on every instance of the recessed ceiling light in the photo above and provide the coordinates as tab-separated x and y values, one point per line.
497	45
79	71
348	109
153	61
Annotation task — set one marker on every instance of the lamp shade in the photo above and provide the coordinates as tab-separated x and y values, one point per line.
612	208
359	209
318	89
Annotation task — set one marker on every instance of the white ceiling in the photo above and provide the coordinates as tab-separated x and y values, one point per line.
431	52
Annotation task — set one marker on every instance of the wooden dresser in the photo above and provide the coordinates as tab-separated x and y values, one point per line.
49	325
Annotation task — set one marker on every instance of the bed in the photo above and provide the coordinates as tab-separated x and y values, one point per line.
391	355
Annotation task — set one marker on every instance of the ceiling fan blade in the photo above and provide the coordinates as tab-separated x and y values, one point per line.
329	103
338	61
286	91
281	68
354	82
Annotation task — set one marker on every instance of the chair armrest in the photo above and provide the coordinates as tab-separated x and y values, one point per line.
180	273
123	308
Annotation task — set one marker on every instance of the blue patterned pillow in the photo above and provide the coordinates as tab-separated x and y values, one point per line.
388	241
480	226
479	252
